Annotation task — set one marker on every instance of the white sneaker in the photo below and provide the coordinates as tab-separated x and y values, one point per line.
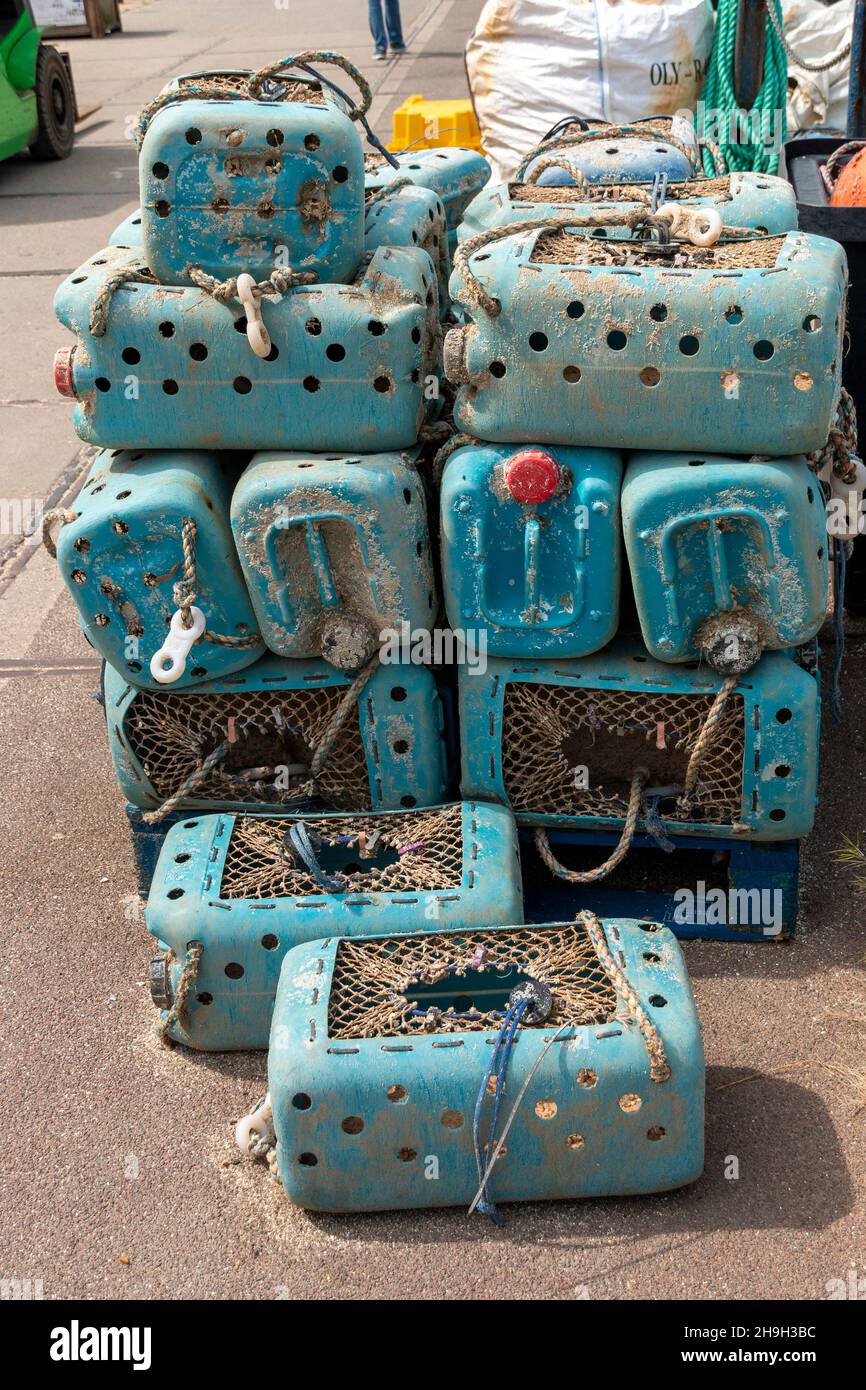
379	57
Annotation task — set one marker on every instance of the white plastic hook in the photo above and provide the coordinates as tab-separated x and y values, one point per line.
702	226
257	1127
169	663
258	336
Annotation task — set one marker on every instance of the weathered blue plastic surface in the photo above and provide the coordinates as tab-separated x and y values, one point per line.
734	360
742	890
244	185
743	199
325	535
281	709
147	841
128	234
472	877
173	370
412	217
539	580
710	534
358	1119
455	174
529	729
624	158
123	555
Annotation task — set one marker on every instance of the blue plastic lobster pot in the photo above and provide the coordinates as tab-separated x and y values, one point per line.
455	174
380	1047
247	185
174	368
235	884
411	217
714	541
387	754
759	201
123	554
560	743
734	348
530	543
335	550
636	152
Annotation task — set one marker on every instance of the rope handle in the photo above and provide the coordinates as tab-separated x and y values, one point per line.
555	161
831	170
659	1068
61	514
194	952
474	290
640	777
337	60
611	132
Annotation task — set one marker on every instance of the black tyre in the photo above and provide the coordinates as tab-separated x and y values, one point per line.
55	104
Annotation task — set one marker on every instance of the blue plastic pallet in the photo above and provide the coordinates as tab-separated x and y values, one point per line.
740	890
380	1049
240	887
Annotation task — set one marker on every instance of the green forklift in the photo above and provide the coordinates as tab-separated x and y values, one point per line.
37	98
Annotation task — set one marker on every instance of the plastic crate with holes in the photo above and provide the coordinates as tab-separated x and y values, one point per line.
734	347
759	201
246	171
618	736
250	888
576	151
157	367
335	549
290	735
456	175
554	1061
530	546
148	532
410	216
728	556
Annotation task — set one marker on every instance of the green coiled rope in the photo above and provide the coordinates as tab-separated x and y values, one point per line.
756	139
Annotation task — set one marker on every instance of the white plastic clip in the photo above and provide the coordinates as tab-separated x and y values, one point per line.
169	663
701	226
257	1127
258	336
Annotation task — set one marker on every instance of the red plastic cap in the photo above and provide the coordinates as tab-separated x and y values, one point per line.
532	475
63	371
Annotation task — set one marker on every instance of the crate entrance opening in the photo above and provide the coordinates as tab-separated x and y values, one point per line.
345	859
474	992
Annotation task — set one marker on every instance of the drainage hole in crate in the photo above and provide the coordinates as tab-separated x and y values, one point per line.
353	1124
574	1141
658	1001
452	1119
629	1103
308	1160
301	1101
270	942
587	1077
198	352
131	356
656	1132
233	970
398	1094
616	340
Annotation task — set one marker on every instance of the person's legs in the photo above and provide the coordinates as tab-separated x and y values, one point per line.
377	28
395	28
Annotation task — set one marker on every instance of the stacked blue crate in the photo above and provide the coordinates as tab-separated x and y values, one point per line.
255	358
642	308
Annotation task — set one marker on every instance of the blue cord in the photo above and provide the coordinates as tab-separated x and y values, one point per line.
372	138
654	824
840	561
298	837
498	1062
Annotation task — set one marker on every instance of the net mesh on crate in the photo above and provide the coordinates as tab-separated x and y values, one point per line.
412	851
171	735
720	189
400	986
239	82
549	732
558	247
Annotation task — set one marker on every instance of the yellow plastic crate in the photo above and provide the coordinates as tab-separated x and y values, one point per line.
425	124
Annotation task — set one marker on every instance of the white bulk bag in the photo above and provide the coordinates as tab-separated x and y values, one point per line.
531	62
